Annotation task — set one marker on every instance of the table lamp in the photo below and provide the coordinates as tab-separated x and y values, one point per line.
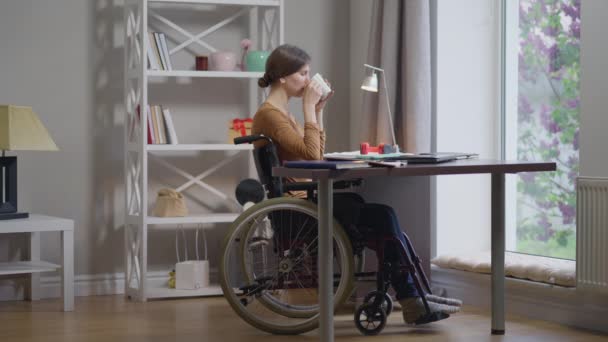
20	129
370	83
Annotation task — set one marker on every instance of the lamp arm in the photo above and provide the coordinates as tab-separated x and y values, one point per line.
373	67
388	106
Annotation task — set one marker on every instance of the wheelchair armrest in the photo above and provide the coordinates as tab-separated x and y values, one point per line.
250	138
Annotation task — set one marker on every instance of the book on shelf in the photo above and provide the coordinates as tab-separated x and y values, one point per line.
170	127
158	52
161	129
148	136
155	125
151	137
162	135
165	50
152	53
326	164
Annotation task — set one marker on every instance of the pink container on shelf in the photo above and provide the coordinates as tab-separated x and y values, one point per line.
222	61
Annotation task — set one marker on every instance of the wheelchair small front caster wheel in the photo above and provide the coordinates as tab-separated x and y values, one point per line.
387	303
370	319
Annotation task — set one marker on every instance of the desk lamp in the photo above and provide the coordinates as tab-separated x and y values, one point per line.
370	83
20	129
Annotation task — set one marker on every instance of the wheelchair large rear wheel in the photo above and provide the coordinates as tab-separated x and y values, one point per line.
269	266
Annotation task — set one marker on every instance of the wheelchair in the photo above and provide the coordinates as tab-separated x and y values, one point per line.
268	269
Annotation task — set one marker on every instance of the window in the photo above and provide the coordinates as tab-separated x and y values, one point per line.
541	93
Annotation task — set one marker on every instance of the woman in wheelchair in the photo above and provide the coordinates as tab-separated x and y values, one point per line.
277	239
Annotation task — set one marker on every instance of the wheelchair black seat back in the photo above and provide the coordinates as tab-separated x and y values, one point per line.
265	158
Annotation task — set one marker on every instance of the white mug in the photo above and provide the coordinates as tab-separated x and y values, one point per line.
324	86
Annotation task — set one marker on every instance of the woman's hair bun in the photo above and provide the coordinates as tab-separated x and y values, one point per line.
264	81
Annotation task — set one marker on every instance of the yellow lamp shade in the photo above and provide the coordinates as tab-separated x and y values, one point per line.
20	129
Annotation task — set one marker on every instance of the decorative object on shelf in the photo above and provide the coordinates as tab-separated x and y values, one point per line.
170	203
202	63
171	282
20	130
245	45
239	128
223	61
256	60
370	83
192	274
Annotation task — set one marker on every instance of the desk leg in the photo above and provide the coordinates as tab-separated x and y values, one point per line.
498	254
67	278
33	284
326	300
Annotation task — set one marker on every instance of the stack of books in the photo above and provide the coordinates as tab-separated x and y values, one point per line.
158	53
160	125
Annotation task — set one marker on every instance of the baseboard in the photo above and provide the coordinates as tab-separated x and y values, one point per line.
84	285
567	306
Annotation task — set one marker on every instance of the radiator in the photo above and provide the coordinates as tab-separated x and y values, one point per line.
592	233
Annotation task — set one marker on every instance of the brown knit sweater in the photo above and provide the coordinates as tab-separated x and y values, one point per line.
293	142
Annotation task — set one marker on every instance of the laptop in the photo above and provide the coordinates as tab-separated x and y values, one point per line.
437	157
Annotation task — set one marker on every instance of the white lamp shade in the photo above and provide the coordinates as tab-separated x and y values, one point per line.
370	83
20	129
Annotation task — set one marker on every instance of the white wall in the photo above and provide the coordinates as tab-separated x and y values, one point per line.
65	58
467	114
594	89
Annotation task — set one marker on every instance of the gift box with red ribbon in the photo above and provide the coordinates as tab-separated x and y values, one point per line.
239	128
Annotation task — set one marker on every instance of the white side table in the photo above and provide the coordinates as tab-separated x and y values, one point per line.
34	225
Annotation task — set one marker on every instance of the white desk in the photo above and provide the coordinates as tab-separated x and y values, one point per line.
34	225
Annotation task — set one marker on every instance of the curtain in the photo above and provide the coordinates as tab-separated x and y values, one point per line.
400	43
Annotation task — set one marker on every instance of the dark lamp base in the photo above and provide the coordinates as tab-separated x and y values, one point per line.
12	216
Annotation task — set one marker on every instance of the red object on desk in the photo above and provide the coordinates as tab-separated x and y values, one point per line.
365	148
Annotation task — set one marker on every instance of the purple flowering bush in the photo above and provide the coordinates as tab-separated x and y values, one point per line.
548	125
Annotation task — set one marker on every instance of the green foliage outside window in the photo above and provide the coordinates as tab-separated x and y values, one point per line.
548	125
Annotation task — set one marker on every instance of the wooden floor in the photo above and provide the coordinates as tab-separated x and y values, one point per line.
112	319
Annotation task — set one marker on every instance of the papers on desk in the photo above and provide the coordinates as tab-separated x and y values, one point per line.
387	163
355	155
404	158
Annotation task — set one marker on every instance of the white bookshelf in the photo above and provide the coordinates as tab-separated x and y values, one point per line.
222	2
25	267
192	219
140	157
211	74
161	291
197	147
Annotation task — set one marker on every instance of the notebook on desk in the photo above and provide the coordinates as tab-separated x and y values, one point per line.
326	164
